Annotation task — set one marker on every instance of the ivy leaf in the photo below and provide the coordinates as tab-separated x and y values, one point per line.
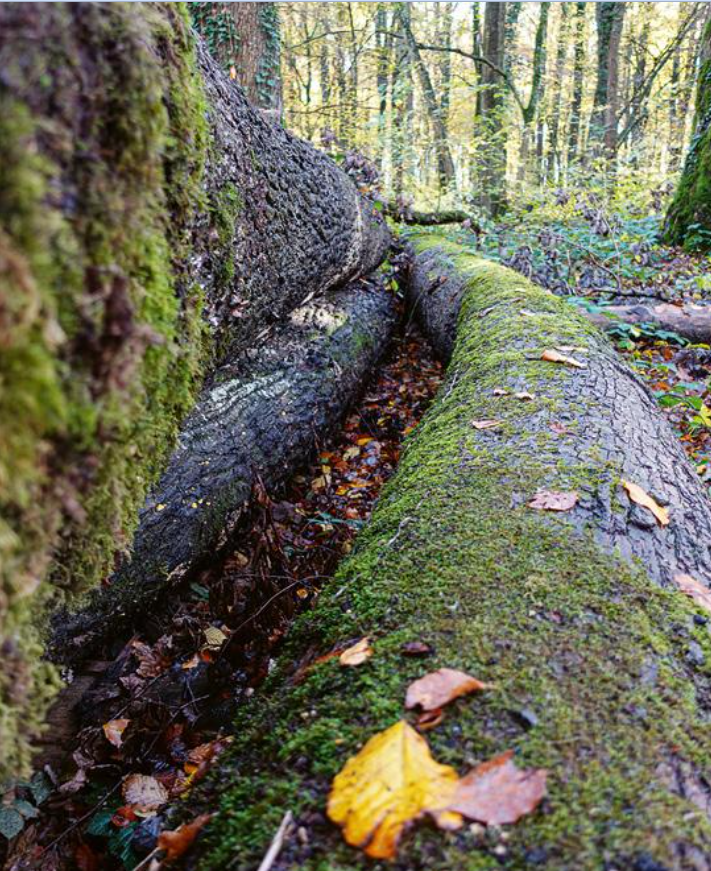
11	822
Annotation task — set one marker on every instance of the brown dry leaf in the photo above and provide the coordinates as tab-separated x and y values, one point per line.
641	497
417	648
559	428
695	590
429	719
114	730
501	391
151	662
357	653
555	357
389	784
178	841
143	792
554	500
486	424
498	793
438	688
524	395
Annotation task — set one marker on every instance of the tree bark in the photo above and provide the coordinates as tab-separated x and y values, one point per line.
603	123
530	110
692	322
595	656
257	421
152	222
688	220
578	71
492	180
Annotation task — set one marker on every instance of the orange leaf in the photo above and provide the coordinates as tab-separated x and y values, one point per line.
440	687
114	730
641	497
389	784
695	590
175	843
553	500
497	792
555	357
357	653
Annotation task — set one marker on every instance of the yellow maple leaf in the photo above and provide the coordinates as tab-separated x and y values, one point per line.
389	784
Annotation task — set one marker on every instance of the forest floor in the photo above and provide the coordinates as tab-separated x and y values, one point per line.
157	717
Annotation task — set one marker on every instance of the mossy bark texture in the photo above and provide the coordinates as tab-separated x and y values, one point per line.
255	422
602	673
688	221
151	222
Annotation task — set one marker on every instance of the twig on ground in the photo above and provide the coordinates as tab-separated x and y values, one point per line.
277	842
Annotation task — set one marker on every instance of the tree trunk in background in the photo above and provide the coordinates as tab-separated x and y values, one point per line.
383	48
603	121
492	173
639	110
244	37
554	161
445	164
530	110
578	82
683	78
196	225
445	39
402	107
688	220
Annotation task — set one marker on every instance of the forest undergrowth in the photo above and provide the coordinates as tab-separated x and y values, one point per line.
161	711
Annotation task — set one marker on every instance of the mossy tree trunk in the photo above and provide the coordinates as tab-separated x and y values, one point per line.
688	221
600	665
151	223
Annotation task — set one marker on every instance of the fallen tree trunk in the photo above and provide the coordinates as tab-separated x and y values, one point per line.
152	222
407	215
691	322
258	420
599	663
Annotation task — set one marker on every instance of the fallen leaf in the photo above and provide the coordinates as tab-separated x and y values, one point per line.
498	793
429	719
175	843
440	687
566	349
114	730
641	497
143	792
351	453
559	428
485	424
501	391
524	395
695	589
390	783
357	654
553	500
417	648
555	357
214	638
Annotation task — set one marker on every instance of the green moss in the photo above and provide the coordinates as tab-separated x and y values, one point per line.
101	336
688	221
453	557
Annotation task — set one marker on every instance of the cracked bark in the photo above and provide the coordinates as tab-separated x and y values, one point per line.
258	419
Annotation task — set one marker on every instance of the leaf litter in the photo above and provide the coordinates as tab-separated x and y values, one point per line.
152	722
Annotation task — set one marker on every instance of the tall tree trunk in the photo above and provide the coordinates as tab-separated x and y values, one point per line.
603	121
530	110
445	163
688	220
492	178
196	224
383	47
554	150
402	106
578	82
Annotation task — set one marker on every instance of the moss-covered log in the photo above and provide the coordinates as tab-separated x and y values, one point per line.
601	666
151	221
256	421
688	220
